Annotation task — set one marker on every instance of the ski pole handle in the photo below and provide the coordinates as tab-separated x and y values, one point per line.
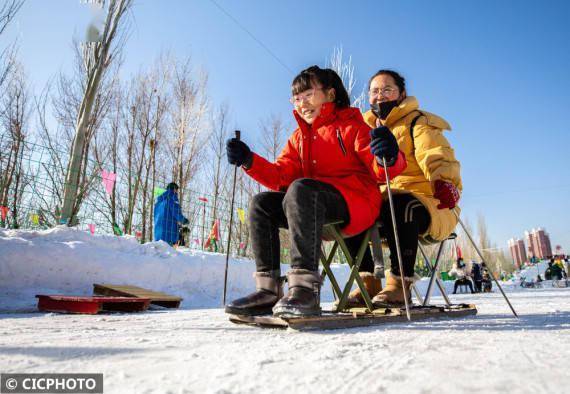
238	135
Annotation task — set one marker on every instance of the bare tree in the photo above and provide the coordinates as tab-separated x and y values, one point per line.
273	136
14	112
220	134
8	11
97	56
345	69
188	119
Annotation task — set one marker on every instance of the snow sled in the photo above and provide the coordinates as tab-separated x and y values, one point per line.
356	317
90	305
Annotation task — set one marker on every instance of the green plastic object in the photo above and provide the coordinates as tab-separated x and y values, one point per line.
158	191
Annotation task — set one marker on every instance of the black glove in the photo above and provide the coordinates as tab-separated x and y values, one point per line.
383	145
238	152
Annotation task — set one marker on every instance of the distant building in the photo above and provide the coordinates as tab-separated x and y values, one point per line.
538	243
518	251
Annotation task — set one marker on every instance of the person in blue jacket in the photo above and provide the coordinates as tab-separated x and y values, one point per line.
168	215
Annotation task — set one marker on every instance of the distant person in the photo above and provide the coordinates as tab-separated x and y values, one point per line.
168	216
556	272
477	275
459	270
487	281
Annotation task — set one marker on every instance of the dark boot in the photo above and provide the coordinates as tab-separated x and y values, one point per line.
303	297
268	291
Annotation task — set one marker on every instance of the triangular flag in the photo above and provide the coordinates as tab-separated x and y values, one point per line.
241	214
35	219
138	234
4	212
158	191
91	228
203	199
214	234
117	229
459	254
108	180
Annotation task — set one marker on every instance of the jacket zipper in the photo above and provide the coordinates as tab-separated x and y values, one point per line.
339	137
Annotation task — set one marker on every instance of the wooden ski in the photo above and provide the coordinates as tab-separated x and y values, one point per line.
356	317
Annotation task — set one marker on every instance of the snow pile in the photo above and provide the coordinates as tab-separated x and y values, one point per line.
63	260
69	261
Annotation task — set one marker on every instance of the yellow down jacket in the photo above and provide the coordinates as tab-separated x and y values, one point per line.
429	157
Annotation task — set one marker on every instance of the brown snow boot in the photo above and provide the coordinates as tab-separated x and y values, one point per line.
392	295
269	290
303	297
373	286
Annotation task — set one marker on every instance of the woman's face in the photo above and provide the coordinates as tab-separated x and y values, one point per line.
383	88
308	103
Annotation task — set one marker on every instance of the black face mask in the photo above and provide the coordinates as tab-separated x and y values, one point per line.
382	110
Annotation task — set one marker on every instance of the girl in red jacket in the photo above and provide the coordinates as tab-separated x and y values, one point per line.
328	172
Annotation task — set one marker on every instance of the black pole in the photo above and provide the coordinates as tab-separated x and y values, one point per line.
238	135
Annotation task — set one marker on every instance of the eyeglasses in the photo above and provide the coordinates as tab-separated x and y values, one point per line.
308	95
384	92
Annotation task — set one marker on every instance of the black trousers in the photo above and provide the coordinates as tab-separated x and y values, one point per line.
461	282
307	205
412	219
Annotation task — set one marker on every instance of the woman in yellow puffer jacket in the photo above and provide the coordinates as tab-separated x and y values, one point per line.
429	187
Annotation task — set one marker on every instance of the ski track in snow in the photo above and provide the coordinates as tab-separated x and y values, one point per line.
199	351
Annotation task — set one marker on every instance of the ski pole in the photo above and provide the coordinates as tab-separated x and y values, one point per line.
483	260
396	238
238	134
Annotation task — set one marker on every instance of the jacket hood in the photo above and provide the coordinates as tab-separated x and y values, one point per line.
167	195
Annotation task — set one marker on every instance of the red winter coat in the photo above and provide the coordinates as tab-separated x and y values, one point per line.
334	149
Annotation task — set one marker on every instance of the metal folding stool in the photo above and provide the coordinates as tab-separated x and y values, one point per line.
433	271
331	231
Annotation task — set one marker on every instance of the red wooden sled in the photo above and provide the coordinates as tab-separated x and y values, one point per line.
90	304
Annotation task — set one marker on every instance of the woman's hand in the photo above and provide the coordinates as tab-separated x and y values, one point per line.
383	145
446	193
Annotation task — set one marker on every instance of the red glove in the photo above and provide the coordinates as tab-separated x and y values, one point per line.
446	193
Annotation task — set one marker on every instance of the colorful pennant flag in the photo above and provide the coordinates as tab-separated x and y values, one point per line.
214	236
91	228
241	214
108	180
158	191
459	254
117	229
4	212
203	199
138	234
35	218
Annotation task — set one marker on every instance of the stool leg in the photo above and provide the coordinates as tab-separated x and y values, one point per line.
355	265
433	276
418	294
328	272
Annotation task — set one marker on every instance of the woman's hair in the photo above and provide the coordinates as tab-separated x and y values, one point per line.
327	78
398	79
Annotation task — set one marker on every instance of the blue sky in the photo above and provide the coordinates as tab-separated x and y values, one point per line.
497	71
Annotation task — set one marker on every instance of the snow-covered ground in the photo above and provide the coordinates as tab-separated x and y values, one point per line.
199	351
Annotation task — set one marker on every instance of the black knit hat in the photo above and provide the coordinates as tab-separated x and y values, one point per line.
172	186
